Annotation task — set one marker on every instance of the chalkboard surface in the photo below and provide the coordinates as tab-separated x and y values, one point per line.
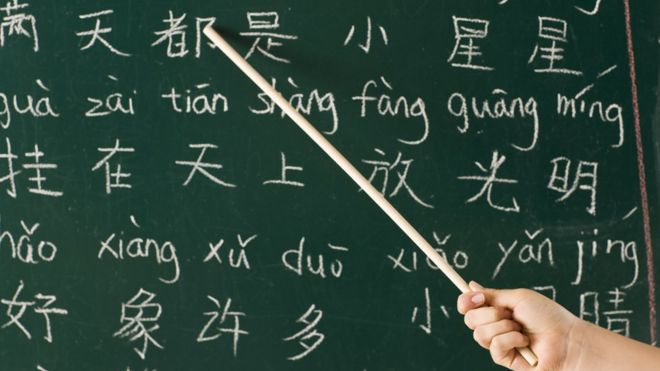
157	212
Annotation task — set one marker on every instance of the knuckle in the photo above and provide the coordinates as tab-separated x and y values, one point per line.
468	320
479	336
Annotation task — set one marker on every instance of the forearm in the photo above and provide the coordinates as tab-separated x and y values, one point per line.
594	348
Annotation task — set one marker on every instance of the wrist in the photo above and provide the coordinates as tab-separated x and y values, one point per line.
578	345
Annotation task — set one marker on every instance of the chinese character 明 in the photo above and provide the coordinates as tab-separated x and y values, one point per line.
489	181
586	179
139	317
262	25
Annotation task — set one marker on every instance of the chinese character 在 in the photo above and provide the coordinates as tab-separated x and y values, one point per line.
113	179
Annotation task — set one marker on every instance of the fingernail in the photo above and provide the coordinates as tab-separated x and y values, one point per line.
478	298
475	285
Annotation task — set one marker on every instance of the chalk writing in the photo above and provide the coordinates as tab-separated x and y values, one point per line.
97	33
139	317
42	304
262	26
309	319
219	317
365	46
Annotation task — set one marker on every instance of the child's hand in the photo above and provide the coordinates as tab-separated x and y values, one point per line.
503	320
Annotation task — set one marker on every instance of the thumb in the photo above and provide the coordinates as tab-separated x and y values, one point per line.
504	298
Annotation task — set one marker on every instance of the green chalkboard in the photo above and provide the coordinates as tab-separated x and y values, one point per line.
157	212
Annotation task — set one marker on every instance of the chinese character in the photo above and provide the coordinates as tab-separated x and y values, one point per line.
466	31
222	318
489	181
283	180
426	326
551	31
586	179
14	23
617	318
264	23
140	316
16	309
98	31
113	179
593	10
37	166
11	174
200	166
386	167
366	46
175	35
309	332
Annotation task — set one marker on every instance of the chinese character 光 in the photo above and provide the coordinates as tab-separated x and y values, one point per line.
489	182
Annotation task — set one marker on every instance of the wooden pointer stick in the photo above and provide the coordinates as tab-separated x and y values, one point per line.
366	186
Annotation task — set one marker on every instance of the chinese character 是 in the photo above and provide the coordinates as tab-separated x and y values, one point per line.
262	26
